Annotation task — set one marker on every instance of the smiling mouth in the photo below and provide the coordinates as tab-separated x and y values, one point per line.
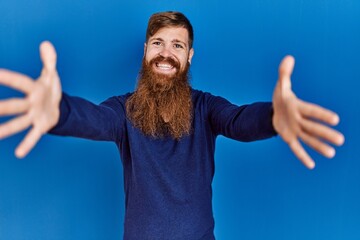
164	66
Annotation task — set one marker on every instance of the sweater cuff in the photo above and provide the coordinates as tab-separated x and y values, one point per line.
64	113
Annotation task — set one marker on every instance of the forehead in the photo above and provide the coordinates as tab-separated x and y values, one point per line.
172	33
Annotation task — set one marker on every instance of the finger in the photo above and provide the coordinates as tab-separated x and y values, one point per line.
28	143
317	145
48	55
322	131
317	112
16	81
14	126
285	70
301	154
13	106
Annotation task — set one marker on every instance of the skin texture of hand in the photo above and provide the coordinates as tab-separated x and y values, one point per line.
296	120
39	109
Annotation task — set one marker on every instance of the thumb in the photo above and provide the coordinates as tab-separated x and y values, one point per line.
48	55
285	70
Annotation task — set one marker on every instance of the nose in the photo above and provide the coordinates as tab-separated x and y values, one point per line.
165	52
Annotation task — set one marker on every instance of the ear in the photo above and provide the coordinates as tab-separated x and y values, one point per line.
145	47
191	54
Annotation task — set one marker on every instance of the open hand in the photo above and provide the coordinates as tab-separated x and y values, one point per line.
39	108
296	120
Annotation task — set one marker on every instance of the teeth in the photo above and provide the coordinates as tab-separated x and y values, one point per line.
164	66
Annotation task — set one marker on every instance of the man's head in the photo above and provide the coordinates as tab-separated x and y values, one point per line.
169	19
161	104
168	47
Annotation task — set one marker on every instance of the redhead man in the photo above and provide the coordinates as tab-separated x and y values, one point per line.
165	130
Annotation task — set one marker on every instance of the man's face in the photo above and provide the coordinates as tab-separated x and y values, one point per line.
167	51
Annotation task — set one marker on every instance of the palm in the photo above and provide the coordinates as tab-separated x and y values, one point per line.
40	106
296	120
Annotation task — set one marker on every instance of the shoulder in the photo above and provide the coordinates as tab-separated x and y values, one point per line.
202	97
117	100
116	104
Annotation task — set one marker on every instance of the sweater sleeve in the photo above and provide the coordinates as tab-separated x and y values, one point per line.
244	123
81	118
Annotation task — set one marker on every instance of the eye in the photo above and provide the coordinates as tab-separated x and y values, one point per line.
157	43
176	45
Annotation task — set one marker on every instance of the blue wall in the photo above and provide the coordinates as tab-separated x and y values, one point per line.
73	189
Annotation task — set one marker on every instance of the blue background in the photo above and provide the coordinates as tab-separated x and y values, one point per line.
73	188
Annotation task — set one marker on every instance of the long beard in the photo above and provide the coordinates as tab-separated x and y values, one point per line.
161	105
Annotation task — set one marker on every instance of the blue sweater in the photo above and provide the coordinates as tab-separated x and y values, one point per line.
167	182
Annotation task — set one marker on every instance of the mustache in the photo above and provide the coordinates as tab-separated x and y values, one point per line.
168	60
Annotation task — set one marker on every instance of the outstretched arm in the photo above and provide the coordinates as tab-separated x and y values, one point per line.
40	106
296	120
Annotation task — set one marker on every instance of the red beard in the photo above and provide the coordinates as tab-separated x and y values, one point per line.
161	105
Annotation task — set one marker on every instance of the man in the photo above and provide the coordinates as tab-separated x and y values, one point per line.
165	130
